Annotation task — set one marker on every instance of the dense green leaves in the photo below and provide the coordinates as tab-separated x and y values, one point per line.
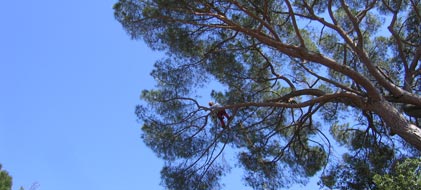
181	178
405	175
5	180
284	71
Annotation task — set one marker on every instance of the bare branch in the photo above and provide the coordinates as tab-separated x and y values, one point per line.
272	69
331	81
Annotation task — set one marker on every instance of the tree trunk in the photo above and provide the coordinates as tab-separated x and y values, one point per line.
398	124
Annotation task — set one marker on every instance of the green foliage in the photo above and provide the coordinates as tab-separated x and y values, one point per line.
180	178
285	71
5	180
369	155
405	175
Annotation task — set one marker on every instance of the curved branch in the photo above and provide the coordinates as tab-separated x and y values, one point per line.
344	97
355	23
254	16
331	81
272	69
294	23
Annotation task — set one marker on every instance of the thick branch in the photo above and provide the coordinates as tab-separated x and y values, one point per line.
397	123
344	97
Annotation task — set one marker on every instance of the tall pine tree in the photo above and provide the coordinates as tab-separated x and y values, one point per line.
297	77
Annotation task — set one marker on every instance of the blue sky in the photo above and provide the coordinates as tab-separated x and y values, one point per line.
70	79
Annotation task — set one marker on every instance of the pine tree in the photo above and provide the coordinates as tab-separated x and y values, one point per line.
298	77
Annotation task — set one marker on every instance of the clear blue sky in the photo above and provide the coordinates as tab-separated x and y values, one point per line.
70	78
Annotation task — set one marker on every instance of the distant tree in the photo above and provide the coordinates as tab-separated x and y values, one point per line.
5	180
296	76
34	186
405	175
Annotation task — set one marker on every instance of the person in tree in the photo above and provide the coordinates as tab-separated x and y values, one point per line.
220	113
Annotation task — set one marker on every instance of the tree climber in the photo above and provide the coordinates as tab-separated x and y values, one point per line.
220	113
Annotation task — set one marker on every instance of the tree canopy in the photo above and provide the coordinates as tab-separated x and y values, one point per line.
405	175
298	78
5	180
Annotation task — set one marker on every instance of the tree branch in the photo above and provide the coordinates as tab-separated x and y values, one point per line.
294	23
